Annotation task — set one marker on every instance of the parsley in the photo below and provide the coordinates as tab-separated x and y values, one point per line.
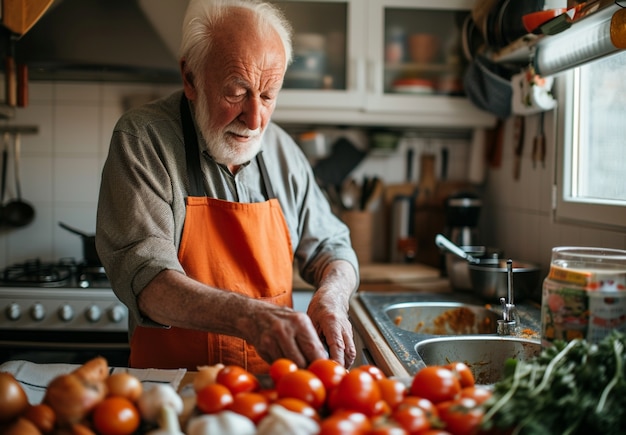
570	388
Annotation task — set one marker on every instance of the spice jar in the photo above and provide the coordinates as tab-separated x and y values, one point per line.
584	294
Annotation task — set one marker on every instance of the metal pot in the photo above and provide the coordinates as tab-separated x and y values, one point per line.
90	255
458	268
490	281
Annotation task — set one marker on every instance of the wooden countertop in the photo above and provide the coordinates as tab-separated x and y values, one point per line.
374	274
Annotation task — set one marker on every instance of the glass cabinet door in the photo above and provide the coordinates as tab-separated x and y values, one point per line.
418	54
328	65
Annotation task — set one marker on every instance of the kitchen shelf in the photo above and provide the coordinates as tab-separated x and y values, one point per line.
21	129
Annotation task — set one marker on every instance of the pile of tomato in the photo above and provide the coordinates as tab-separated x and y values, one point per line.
439	400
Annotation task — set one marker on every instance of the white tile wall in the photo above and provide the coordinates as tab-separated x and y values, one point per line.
61	164
517	215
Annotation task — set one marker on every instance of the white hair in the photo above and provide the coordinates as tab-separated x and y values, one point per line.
203	16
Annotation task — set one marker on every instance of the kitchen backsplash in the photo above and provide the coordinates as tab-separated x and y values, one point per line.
60	165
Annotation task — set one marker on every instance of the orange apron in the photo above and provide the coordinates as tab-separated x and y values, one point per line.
242	247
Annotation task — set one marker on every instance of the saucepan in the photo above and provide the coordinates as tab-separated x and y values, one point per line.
90	254
489	276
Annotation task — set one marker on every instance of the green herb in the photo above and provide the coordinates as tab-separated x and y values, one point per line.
570	388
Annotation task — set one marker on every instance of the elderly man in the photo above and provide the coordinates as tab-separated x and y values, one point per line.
205	204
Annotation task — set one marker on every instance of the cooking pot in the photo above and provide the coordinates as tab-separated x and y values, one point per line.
490	281
458	268
488	274
90	255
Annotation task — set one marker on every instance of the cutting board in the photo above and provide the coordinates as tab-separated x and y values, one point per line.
397	273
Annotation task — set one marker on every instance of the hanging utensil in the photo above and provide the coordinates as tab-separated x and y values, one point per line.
18	213
539	144
5	158
518	138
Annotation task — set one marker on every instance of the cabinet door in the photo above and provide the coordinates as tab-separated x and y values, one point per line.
415	58
328	70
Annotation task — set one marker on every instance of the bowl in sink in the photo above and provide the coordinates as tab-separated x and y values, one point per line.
485	355
443	318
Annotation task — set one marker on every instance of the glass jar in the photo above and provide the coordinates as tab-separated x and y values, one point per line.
584	294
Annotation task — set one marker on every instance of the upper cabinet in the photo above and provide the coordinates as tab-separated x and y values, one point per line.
378	62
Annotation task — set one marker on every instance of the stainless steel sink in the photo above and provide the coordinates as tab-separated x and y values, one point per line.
485	355
443	318
455	320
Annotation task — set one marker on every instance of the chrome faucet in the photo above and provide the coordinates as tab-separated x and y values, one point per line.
509	324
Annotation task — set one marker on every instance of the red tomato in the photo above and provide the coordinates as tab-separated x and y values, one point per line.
251	405
280	367
304	385
478	393
426	405
345	423
329	371
237	379
411	418
388	429
372	370
463	372
435	432
357	391
392	391
461	416
116	415
299	406
436	384
213	398
270	394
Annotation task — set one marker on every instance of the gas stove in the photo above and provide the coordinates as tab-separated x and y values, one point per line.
63	295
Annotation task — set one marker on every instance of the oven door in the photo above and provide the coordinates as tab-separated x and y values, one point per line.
75	347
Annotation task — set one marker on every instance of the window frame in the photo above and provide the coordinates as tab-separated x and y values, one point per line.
567	208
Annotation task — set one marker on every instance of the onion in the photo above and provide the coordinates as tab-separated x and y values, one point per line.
13	399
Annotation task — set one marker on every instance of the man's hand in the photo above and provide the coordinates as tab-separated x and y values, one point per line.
329	311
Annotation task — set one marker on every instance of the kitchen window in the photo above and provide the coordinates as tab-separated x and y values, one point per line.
591	140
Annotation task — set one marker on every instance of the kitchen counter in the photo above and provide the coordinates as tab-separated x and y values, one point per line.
388	276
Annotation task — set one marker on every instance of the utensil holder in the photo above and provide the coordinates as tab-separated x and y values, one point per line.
361	228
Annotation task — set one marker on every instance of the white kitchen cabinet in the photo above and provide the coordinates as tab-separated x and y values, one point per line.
345	67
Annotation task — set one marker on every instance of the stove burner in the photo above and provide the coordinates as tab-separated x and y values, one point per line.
38	273
65	273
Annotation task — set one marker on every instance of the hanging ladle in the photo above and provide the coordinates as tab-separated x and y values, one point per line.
18	213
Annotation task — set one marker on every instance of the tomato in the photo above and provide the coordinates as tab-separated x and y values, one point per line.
420	402
461	416
435	432
280	367
42	416
357	391
436	384
329	371
125	385
372	370
116	416
270	394
463	372
411	418
213	398
345	423
304	385
299	406
478	393
237	379
251	405
392	391
388	429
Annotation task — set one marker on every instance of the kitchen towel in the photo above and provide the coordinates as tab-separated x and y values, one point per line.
34	378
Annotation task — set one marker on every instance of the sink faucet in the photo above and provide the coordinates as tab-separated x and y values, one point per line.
509	323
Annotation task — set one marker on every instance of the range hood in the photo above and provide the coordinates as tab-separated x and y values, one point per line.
105	40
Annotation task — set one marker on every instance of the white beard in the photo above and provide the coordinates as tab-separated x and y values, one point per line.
224	148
